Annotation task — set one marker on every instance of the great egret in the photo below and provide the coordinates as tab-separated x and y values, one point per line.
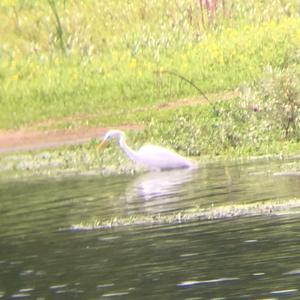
149	156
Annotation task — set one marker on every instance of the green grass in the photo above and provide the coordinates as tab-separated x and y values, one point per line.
115	53
108	68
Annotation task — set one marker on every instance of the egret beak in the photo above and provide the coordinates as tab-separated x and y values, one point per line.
101	145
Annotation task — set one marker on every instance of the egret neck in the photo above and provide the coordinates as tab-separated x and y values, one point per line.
130	153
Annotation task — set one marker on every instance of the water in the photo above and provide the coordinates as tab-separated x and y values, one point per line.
235	258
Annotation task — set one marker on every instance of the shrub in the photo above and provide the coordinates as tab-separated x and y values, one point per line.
266	116
276	98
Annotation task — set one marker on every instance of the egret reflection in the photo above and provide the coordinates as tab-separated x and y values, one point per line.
153	190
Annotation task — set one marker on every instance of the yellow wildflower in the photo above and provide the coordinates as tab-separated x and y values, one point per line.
132	64
15	77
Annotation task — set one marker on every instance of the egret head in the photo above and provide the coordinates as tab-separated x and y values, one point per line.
111	134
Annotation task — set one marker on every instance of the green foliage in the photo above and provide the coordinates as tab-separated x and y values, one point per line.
276	98
208	130
115	52
264	120
112	70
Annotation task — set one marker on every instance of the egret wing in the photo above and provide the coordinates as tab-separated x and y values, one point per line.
161	158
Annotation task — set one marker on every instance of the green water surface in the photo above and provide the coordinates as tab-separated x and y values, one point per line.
41	257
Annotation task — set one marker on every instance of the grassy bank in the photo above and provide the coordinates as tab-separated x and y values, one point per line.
107	63
110	56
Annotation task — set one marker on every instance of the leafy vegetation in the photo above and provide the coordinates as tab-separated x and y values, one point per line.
107	63
264	119
115	53
277	100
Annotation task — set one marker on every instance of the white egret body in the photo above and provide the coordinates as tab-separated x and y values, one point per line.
149	156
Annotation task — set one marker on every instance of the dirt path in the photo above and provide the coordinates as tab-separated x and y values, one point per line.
32	139
27	139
